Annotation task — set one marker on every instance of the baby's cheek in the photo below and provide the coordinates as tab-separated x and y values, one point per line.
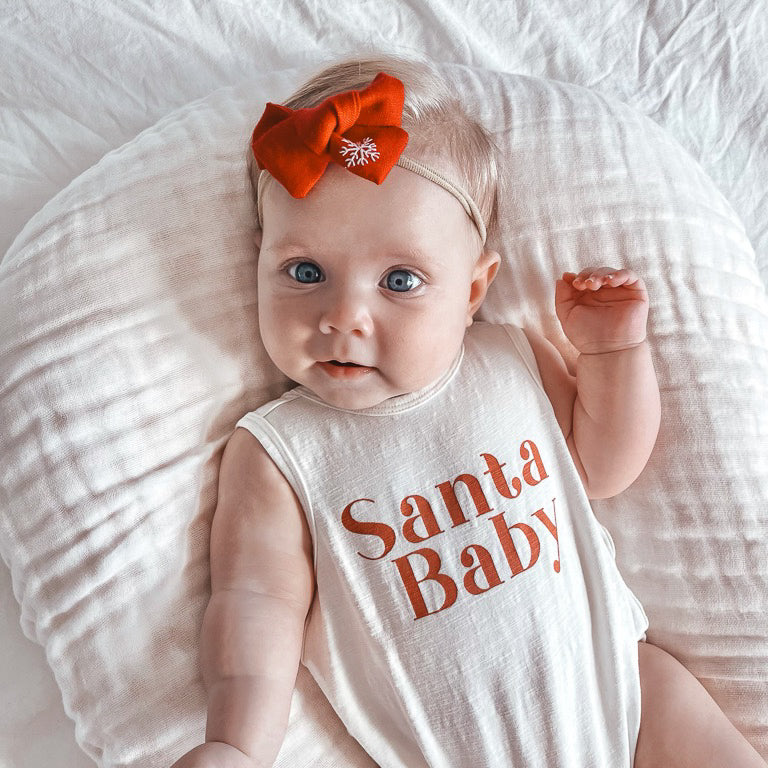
430	356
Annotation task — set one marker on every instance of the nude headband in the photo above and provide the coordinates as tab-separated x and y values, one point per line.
357	130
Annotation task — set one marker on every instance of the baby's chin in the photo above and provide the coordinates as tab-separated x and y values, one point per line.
350	401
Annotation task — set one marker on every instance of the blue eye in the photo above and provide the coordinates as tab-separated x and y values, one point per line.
305	272
401	281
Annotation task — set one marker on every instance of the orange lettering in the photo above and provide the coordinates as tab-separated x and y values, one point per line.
426	515
411	583
448	492
485	564
524	454
552	528
382	530
510	551
494	470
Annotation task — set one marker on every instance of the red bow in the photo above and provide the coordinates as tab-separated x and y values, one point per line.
358	130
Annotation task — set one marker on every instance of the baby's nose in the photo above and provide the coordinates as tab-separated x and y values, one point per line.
347	313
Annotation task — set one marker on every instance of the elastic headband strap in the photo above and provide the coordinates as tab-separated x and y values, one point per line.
457	191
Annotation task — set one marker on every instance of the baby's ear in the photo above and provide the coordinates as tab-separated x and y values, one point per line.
489	263
483	273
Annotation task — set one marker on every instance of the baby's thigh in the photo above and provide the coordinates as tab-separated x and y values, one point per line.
681	725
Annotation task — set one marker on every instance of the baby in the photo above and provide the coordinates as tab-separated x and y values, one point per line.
412	521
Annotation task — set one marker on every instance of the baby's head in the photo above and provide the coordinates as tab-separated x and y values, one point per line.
366	289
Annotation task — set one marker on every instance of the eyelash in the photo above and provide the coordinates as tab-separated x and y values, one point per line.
289	270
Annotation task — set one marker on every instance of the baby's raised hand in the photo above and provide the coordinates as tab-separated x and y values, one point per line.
602	309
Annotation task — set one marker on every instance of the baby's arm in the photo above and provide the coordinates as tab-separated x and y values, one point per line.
610	411
262	584
617	410
615	418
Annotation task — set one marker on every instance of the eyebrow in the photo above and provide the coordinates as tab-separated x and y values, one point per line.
409	253
289	245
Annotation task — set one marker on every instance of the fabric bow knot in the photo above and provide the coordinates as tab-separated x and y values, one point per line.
358	130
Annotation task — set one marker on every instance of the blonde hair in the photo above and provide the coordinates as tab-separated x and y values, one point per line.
439	128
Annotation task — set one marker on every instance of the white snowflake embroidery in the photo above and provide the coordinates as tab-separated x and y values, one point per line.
359	152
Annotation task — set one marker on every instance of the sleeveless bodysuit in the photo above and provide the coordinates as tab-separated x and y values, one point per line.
468	610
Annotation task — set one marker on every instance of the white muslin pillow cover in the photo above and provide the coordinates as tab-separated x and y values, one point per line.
129	348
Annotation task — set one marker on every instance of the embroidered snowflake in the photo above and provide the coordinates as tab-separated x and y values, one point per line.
359	152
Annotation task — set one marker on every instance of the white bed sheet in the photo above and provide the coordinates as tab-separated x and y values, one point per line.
79	79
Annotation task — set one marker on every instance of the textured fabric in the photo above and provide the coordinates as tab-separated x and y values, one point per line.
357	130
129	348
83	80
468	608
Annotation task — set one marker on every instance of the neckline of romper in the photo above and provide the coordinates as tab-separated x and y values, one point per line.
399	403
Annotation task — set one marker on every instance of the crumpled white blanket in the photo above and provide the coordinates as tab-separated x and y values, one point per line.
80	80
130	349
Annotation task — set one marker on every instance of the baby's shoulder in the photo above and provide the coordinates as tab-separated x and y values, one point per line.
248	471
260	539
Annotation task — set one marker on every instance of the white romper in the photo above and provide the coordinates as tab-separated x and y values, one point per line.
469	611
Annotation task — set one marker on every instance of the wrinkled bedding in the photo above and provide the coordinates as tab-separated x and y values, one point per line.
80	81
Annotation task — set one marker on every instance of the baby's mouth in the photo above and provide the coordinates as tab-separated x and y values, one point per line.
344	370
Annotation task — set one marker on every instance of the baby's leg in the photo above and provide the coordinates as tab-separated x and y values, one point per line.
681	725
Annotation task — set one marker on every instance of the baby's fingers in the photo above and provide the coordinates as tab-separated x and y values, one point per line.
594	279
628	278
623	277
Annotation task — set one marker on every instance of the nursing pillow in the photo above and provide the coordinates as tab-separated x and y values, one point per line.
129	348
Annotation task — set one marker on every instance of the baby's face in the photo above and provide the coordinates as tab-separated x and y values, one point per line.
382	278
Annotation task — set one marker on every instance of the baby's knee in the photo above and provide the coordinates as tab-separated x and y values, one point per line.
655	738
658	669
681	725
